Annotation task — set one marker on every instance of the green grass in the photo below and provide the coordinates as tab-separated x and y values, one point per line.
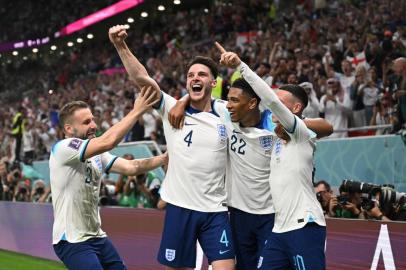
16	261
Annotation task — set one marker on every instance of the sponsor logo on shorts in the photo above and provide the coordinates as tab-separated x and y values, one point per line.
221	252
260	262
170	254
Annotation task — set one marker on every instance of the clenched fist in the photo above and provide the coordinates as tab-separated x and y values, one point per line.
117	34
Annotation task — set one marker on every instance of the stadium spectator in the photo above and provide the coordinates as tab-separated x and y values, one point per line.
17	130
384	113
398	87
312	108
336	106
30	142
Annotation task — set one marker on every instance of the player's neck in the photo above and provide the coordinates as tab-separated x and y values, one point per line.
203	105
252	119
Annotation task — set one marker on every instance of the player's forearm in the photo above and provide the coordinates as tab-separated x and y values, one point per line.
135	69
116	133
268	96
140	166
320	126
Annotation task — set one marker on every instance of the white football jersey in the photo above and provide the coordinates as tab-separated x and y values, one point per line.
197	160
247	176
291	177
75	186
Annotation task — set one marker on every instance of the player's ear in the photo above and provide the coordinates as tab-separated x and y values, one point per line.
213	83
68	128
297	107
252	103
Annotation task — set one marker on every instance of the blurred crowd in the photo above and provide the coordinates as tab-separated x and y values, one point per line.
17	17
346	54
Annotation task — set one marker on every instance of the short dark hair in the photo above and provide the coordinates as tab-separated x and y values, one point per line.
69	109
242	84
322	182
297	91
206	61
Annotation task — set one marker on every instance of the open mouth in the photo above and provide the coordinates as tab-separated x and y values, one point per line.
197	87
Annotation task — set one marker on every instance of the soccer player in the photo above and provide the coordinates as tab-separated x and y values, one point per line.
76	167
298	236
194	186
250	138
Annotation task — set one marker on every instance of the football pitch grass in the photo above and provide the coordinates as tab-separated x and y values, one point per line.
16	261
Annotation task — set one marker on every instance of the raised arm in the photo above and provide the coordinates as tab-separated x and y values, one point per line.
261	88
116	133
135	69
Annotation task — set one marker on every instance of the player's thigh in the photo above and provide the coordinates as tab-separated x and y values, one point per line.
227	264
215	237
109	257
263	230
243	226
78	255
179	236
307	247
273	255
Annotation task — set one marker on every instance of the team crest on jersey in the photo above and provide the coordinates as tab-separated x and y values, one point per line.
75	144
170	254
221	129
98	163
266	142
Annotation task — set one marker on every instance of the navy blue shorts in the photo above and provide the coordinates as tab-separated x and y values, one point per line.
249	232
183	227
92	254
301	249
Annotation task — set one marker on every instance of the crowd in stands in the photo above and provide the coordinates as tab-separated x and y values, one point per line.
342	52
26	19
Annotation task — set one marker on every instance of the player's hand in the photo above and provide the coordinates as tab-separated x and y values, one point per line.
228	59
145	99
332	205
165	158
176	115
117	34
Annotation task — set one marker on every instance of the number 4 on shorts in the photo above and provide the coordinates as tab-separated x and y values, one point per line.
223	238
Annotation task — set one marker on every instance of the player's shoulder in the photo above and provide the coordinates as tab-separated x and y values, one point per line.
68	143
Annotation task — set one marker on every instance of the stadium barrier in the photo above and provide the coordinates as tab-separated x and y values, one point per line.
377	159
136	233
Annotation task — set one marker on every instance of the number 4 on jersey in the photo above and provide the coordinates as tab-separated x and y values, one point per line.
188	138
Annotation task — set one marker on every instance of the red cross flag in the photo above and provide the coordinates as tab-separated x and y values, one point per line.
359	59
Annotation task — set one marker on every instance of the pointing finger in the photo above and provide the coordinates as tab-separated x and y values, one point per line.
220	48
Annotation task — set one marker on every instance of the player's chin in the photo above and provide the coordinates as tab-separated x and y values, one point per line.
234	118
